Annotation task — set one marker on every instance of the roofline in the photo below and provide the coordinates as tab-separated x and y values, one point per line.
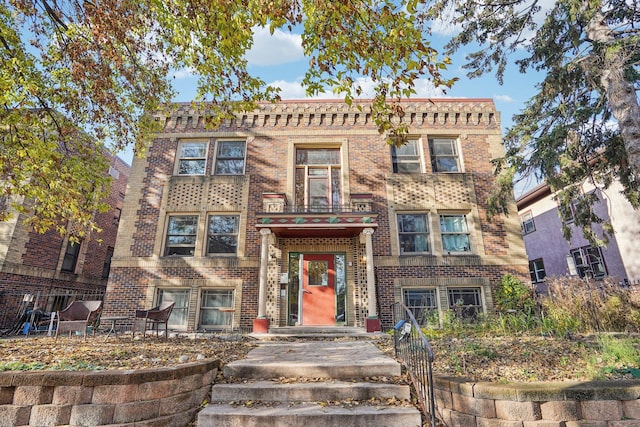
355	101
536	193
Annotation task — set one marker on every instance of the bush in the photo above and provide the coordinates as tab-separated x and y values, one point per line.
513	295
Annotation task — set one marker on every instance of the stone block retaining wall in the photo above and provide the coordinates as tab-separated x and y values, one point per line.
146	397
553	404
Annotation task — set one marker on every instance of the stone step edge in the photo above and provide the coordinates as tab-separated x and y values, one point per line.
270	391
298	410
248	370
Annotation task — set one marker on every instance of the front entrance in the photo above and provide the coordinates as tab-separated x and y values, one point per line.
318	290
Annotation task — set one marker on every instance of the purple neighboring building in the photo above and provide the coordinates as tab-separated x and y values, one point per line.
550	254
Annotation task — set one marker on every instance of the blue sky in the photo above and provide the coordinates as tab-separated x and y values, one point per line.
278	59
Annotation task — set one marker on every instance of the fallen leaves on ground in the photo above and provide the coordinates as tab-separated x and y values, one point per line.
94	353
503	359
523	359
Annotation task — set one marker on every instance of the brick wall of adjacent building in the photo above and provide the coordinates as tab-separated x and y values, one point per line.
33	260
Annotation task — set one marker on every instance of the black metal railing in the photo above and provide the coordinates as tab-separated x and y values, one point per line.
34	305
414	352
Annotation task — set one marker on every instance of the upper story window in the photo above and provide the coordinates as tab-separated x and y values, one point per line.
181	235
222	236
536	270
318	185
589	262
406	158
455	233
413	233
444	155
71	255
230	158
526	222
192	158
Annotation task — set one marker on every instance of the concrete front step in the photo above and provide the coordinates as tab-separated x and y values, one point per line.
308	388
269	391
318	359
308	415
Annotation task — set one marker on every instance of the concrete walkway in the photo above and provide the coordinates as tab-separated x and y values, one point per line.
340	383
314	359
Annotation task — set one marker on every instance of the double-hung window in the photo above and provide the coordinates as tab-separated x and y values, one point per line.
230	158
413	233
211	315
406	158
444	155
455	233
181	235
192	158
589	262
222	236
526	222
179	314
536	270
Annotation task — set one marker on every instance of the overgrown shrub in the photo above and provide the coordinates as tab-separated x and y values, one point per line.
597	305
513	295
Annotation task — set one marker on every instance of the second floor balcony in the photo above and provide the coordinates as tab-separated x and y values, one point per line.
319	220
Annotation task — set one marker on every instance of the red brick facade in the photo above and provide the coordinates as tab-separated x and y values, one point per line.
31	263
272	134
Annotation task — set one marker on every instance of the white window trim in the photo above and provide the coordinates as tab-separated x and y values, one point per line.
536	271
429	233
420	153
235	316
206	234
176	170
215	156
469	233
165	235
524	220
458	148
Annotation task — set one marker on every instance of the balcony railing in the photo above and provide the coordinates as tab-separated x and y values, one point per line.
334	209
277	203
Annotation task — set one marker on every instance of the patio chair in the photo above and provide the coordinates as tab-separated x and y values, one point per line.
78	317
154	317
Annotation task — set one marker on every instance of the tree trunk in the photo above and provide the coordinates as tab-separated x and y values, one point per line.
620	93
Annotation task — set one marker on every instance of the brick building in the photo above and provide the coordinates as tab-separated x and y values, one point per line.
299	214
47	270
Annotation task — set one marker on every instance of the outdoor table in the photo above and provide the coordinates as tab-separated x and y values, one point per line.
114	323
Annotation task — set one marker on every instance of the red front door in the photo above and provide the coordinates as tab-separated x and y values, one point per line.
318	290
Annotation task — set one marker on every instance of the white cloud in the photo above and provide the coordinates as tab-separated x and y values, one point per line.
272	49
294	90
503	98
184	73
